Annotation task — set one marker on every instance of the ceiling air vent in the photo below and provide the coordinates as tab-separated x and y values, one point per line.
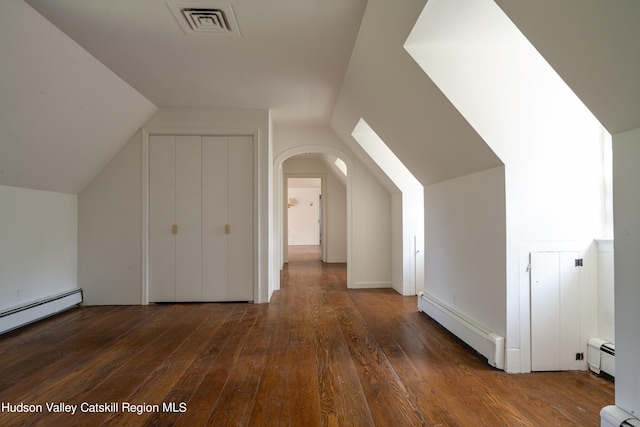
197	19
213	20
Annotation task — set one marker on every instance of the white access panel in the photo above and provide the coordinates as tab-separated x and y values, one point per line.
188	218
570	342
162	215
555	316
545	311
241	218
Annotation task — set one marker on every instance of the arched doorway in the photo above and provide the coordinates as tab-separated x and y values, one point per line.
280	203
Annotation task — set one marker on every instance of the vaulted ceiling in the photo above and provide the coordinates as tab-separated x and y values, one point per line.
80	77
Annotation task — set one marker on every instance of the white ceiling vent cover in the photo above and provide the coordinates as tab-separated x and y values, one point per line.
199	19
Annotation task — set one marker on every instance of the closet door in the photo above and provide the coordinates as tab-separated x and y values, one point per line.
201	218
227	200
555	311
241	218
175	218
215	198
188	219
162	216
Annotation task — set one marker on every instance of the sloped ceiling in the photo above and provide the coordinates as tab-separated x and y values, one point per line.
290	56
80	77
69	102
593	46
63	114
402	105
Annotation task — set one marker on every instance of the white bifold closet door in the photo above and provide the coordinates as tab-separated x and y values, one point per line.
227	206
201	216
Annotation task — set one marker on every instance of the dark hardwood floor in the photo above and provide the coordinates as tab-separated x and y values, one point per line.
319	354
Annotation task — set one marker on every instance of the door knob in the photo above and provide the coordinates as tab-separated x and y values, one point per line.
174	229
227	229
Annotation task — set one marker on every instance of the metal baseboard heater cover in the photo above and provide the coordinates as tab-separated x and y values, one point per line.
16	317
601	356
612	416
489	344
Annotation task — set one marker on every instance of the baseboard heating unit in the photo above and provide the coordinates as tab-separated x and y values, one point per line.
601	356
485	342
16	317
612	416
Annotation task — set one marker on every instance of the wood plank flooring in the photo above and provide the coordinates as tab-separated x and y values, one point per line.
319	354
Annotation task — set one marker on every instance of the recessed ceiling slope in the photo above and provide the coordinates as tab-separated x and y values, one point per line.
63	114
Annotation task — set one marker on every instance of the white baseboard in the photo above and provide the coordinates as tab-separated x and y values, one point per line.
370	285
485	342
16	317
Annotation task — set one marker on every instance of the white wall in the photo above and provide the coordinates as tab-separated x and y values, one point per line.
407	211
110	230
550	143
38	244
304	228
465	246
605	291
112	207
626	208
368	205
413	243
370	264
336	218
398	266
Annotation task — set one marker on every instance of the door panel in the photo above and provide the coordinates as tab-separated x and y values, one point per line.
555	311
188	218
569	311
162	204
241	211
215	257
545	311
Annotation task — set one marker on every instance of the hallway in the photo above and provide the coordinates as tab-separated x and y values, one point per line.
304	253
